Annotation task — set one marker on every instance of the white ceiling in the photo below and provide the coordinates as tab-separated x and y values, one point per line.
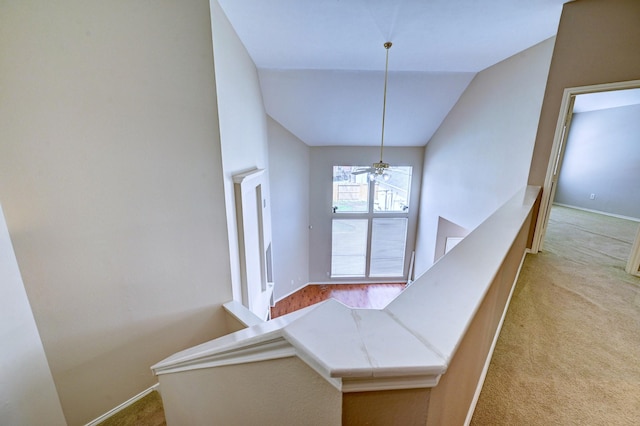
604	100
321	62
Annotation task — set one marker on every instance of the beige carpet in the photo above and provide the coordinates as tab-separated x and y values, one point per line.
569	350
146	412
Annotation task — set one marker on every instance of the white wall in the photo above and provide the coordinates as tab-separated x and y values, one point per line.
480	155
283	391
321	191
243	123
28	395
111	183
289	163
602	157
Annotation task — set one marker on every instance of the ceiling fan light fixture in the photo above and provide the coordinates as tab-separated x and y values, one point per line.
379	169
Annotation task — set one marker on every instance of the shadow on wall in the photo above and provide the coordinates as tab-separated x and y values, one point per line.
449	234
130	357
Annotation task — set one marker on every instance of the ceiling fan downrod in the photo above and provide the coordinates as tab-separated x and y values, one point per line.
381	167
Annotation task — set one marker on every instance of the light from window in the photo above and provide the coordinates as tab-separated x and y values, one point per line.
370	222
350	192
349	247
393	195
388	237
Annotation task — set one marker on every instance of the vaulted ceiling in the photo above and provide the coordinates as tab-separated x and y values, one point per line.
321	63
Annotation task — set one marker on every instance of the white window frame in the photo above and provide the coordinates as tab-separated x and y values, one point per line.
370	215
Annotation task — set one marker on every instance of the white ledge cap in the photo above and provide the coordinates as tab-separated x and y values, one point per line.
345	342
408	344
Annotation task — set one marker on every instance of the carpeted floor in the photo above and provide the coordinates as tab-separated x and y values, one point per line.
146	412
569	349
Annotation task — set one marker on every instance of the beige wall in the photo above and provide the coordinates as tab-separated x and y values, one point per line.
243	121
111	181
602	157
455	394
283	391
480	155
289	161
407	407
597	42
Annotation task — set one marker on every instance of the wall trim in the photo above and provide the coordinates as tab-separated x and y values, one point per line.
633	264
619	216
267	350
124	405
389	383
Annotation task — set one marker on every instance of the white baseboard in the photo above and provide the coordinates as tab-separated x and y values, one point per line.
122	406
619	216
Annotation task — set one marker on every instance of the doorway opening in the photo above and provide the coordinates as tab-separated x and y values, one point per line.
614	94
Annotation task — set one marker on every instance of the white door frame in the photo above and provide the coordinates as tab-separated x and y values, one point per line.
254	240
557	153
633	264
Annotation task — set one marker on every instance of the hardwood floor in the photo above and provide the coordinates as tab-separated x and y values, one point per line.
368	296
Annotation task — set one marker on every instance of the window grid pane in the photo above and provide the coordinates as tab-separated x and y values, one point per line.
388	239
350	191
381	206
393	195
349	247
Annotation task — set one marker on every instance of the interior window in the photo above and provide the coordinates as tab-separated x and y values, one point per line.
388	239
393	195
349	247
370	221
350	191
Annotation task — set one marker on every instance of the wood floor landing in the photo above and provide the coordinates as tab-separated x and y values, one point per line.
366	296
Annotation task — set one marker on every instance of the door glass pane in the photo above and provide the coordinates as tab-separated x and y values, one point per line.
349	247
393	195
350	191
388	239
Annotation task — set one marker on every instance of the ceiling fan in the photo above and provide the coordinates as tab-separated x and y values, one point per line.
380	169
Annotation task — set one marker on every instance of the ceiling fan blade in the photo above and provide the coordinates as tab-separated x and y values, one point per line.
361	171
